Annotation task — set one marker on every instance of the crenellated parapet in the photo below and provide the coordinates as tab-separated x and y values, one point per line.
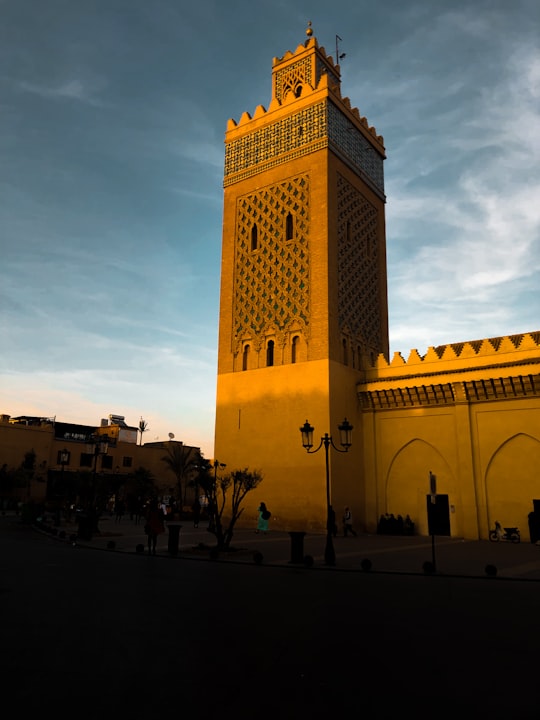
307	113
499	368
472	353
294	78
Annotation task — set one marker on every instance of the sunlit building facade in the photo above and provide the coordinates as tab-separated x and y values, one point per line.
303	335
43	459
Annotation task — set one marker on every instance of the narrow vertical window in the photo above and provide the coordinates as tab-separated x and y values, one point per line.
245	357
270	353
289	227
345	353
254	237
294	349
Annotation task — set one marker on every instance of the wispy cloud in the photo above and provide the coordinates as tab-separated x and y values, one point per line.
473	242
73	89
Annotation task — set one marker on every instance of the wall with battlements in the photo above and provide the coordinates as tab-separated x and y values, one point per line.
467	412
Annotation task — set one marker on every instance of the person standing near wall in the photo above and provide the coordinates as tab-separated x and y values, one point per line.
347	522
264	517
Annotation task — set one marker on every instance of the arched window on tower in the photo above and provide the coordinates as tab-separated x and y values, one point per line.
270	353
245	357
289	227
294	348
297	91
345	352
254	237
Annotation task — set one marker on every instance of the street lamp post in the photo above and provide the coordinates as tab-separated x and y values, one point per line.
64	459
61	491
345	430
217	465
98	445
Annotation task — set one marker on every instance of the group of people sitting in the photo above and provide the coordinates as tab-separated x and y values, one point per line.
390	525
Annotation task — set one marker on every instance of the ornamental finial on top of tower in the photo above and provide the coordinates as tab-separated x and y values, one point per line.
309	29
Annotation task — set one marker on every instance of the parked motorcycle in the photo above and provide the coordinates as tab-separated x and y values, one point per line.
509	534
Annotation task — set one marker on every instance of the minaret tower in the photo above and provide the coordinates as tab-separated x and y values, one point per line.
303	303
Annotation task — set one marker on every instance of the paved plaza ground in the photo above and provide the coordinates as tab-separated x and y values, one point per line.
91	631
385	553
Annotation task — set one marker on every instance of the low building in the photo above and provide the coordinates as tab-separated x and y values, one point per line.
42	459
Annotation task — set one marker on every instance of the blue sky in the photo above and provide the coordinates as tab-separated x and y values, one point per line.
112	120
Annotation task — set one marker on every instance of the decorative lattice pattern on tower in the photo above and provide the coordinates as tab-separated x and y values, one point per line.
303	132
291	78
272	145
358	263
271	280
350	142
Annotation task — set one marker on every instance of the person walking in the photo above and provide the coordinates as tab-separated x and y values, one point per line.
154	526
264	517
196	512
119	509
347	523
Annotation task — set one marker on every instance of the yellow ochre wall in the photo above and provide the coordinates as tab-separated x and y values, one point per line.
481	438
486	459
259	415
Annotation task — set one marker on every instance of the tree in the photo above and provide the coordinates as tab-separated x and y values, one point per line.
139	488
143	427
181	460
225	511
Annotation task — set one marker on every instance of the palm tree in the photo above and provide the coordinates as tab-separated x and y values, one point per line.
180	460
143	427
140	487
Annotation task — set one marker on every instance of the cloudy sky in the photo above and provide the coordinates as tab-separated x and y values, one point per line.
112	120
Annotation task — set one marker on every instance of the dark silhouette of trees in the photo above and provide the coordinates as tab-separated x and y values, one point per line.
225	495
181	461
139	487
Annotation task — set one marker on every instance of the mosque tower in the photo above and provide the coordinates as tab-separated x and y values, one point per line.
303	304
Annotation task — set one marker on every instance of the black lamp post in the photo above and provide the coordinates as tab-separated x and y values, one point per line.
64	460
217	465
345	431
61	492
97	445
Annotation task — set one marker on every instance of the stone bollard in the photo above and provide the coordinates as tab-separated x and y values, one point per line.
174	537
297	547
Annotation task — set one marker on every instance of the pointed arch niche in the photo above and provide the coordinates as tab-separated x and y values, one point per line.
407	483
513	473
297	349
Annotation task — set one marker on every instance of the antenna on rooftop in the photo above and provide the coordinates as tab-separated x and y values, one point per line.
171	436
338	56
